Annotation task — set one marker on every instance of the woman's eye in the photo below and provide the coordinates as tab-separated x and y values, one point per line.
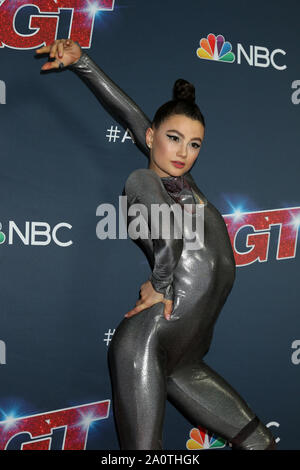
196	146
173	137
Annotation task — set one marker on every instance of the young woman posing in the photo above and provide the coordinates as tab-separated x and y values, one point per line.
157	351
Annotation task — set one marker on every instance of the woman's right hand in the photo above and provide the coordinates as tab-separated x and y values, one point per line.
149	297
63	50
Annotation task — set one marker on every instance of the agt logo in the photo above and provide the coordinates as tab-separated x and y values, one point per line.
42	20
37	432
35	233
250	234
216	48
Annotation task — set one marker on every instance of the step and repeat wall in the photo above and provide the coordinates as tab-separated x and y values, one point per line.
64	290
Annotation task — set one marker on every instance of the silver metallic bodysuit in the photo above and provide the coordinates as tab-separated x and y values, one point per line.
152	359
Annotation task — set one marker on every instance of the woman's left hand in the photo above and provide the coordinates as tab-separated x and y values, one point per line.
149	297
64	51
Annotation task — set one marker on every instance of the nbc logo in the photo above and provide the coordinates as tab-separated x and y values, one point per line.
217	49
34	233
201	439
2	235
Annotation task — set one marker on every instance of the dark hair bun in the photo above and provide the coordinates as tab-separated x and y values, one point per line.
183	90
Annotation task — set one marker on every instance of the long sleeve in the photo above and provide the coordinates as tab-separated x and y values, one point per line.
143	186
113	99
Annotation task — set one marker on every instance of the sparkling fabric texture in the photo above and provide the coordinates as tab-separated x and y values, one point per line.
150	358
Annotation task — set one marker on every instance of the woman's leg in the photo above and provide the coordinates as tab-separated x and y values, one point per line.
138	379
207	400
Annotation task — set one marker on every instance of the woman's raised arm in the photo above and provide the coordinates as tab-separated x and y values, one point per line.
111	96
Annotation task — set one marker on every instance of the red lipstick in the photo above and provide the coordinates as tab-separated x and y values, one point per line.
178	164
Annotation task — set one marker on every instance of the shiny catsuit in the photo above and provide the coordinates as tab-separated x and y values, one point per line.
152	359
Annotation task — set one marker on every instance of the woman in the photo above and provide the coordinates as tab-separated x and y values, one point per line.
157	350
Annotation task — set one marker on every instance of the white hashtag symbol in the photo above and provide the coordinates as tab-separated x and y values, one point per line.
109	334
113	133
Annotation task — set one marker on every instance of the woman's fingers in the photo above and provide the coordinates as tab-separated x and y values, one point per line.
51	65
60	49
64	51
54	47
51	49
148	298
140	305
168	309
136	310
57	47
43	50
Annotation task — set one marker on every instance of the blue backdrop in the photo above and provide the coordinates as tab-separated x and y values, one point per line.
63	290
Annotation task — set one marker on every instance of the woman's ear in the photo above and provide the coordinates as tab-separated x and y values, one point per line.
149	137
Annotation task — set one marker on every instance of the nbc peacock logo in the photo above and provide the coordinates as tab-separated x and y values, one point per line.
2	235
201	439
215	48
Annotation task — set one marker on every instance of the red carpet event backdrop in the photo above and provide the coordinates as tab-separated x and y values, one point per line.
64	288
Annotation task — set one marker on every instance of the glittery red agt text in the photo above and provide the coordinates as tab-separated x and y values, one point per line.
75	420
261	224
44	22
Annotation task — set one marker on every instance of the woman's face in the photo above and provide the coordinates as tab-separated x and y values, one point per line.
175	145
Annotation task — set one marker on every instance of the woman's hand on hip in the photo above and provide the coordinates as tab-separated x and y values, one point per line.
149	297
66	51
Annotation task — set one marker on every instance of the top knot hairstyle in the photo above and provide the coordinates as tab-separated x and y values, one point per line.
183	102
183	90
